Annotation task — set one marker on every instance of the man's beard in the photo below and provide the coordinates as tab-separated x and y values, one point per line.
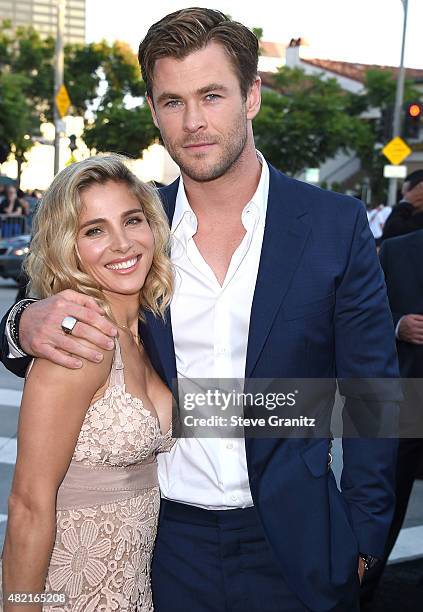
201	171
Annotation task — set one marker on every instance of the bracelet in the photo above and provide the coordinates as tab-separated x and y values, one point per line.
15	318
369	561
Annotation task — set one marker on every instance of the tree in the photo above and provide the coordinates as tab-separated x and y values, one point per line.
27	83
304	121
19	120
122	121
121	130
380	90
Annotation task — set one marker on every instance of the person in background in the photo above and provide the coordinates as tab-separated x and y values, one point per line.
407	215
401	259
376	218
14	210
12	204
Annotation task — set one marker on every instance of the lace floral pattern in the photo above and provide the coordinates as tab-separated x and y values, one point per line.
102	556
118	431
102	553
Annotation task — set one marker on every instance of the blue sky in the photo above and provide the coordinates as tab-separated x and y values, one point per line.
367	31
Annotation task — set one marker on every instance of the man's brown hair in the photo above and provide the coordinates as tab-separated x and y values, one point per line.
188	30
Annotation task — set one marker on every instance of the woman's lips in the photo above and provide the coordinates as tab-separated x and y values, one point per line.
126	266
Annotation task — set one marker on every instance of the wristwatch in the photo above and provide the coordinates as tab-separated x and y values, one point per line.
369	561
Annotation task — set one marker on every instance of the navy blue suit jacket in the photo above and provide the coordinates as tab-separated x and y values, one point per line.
319	311
401	260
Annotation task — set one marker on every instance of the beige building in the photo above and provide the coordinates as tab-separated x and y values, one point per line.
41	14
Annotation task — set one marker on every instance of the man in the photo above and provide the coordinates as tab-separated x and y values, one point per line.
274	279
401	260
407	215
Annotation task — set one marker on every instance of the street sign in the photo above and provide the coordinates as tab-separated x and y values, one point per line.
72	159
396	150
394	171
312	175
62	101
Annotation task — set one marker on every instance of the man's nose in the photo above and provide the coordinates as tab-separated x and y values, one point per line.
194	118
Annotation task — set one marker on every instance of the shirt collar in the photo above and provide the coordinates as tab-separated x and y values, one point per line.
259	199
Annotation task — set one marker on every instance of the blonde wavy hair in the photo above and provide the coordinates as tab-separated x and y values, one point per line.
53	264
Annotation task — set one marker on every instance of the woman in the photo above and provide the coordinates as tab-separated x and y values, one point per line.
12	205
84	502
15	210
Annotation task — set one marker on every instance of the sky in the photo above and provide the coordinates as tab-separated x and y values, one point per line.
364	31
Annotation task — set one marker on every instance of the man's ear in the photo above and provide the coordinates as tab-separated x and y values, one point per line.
153	111
253	102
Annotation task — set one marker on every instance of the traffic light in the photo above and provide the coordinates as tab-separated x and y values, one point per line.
413	113
385	123
72	143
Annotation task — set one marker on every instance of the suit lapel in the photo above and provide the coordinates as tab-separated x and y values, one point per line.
287	228
160	332
285	235
160	335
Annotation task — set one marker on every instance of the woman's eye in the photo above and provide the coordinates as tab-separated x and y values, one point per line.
134	220
93	231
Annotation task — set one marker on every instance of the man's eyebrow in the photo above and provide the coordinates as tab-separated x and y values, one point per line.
102	220
168	95
212	87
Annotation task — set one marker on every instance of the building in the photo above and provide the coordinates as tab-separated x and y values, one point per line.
344	167
42	15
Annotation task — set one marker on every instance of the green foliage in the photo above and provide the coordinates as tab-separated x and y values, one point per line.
304	122
258	32
380	91
81	74
19	120
27	91
121	130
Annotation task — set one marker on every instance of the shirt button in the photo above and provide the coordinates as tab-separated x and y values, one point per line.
234	498
229	446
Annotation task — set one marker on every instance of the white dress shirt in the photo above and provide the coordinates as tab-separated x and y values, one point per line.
210	326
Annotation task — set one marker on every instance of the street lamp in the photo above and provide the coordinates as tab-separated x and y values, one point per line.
58	79
399	98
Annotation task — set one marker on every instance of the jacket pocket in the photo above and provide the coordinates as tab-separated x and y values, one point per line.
317	458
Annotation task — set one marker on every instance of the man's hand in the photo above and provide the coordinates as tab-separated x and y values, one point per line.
41	334
411	329
361	568
415	197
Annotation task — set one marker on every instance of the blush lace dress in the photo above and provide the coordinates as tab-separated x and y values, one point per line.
108	505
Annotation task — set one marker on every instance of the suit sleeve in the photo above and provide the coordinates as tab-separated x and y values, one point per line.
385	256
365	349
18	365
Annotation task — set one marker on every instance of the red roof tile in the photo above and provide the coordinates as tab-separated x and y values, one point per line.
357	71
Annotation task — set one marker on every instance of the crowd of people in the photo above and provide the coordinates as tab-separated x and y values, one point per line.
234	271
16	210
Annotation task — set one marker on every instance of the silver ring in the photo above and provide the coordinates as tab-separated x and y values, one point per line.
68	324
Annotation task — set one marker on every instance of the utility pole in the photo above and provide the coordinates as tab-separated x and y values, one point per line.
399	99
58	78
